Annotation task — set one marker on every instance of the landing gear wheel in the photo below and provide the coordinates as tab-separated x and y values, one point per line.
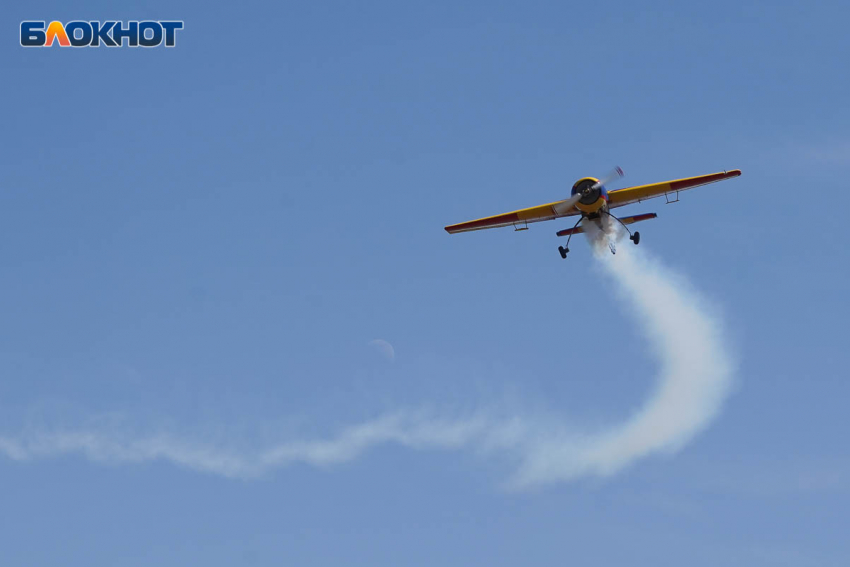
635	238
563	252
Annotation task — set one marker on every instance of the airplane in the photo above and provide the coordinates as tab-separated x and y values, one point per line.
589	199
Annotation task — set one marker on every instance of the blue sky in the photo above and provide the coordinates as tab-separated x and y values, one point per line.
203	241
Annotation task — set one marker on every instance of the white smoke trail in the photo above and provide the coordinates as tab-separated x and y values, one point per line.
695	374
694	379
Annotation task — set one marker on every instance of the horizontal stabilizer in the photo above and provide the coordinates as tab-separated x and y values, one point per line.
625	220
568	231
637	218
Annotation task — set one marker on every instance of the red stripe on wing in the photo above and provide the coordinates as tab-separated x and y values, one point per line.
703	180
508	218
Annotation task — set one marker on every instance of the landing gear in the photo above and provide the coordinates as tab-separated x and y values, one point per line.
633	237
564	249
595	216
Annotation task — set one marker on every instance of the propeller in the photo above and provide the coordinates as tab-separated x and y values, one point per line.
565	206
613	175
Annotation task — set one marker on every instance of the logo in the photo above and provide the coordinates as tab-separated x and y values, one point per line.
149	33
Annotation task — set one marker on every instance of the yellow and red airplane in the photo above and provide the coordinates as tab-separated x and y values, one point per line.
590	200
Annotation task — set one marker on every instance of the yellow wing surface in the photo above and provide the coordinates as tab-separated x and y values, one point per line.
520	219
640	193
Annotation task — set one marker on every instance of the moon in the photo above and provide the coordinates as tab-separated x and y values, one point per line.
384	348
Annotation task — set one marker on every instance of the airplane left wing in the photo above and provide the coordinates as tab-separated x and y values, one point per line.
518	219
640	193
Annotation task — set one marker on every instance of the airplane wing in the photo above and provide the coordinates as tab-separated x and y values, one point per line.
640	193
518	219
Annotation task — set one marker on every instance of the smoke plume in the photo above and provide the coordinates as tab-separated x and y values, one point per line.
694	378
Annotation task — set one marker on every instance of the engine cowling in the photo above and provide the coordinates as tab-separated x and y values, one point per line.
594	196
